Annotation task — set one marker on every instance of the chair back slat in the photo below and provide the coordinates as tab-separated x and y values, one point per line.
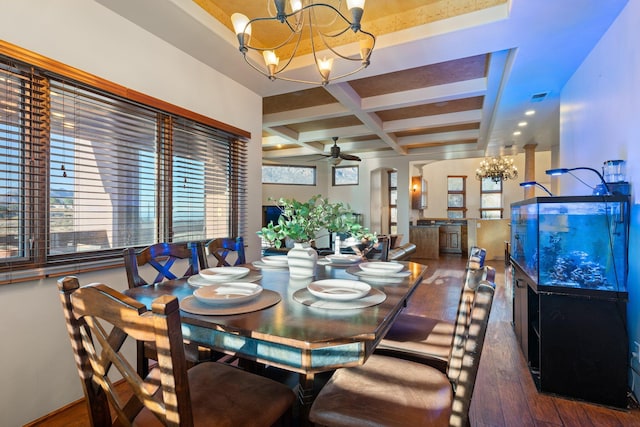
465	358
221	249
162	257
99	321
473	278
476	257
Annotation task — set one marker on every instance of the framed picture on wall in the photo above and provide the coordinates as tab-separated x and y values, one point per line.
345	175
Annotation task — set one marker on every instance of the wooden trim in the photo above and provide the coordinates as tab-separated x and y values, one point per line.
64	70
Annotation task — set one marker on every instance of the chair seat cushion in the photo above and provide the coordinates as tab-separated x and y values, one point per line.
421	339
226	396
385	391
241	400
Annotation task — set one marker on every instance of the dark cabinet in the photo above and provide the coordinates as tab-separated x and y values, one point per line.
575	342
520	312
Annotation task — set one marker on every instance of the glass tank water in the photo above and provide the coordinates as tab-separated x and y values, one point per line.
572	242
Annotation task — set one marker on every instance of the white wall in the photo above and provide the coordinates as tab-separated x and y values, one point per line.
363	198
436	176
600	107
360	197
37	369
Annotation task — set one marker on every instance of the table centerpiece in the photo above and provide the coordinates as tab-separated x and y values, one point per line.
301	222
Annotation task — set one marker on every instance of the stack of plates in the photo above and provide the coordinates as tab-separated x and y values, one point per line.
227	293
380	272
343	259
382	268
217	275
275	261
338	289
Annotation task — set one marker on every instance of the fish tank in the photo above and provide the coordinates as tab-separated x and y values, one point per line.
573	242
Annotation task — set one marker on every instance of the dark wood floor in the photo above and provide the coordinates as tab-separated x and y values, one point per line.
505	394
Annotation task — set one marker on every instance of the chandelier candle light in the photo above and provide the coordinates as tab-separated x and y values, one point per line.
497	168
307	17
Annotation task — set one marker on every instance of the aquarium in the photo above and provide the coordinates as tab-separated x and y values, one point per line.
577	242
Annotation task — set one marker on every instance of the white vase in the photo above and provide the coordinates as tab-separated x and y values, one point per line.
302	259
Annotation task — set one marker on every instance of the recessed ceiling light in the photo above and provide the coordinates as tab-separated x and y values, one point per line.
529	112
516	133
522	124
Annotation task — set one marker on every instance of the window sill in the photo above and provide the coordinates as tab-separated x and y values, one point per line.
18	276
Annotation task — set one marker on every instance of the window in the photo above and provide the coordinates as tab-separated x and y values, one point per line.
456	197
86	173
290	175
345	175
393	202
490	198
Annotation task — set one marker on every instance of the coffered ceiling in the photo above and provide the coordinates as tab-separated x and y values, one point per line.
448	78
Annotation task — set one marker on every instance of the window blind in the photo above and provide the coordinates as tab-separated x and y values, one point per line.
86	173
209	182
23	162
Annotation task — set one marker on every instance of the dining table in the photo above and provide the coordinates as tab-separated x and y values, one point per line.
288	327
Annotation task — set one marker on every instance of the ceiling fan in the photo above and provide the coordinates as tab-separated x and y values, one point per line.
336	156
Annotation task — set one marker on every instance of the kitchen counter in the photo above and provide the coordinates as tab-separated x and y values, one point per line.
426	238
450	237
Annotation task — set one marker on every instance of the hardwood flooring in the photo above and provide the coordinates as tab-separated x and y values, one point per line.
505	394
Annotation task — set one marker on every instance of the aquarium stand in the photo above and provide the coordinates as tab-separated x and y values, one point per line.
576	344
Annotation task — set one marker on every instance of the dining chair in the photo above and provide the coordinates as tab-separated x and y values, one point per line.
430	340
378	251
100	319
164	260
222	248
389	391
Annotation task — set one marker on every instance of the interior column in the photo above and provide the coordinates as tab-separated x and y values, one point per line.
530	169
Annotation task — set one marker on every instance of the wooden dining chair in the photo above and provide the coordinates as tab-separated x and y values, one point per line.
389	391
164	260
378	250
100	319
223	249
431	340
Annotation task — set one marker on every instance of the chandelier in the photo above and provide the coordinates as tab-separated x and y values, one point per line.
497	169
325	26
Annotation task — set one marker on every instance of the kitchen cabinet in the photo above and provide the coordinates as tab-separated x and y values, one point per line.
426	239
450	239
418	193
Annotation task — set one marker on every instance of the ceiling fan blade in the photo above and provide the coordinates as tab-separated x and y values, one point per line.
319	157
350	157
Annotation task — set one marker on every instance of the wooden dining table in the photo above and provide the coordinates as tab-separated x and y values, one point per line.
292	335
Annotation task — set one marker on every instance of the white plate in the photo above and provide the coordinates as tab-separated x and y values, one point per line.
343	259
381	267
220	274
380	279
262	265
227	293
338	289
196	280
275	260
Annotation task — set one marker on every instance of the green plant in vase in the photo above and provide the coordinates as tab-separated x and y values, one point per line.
303	221
299	221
